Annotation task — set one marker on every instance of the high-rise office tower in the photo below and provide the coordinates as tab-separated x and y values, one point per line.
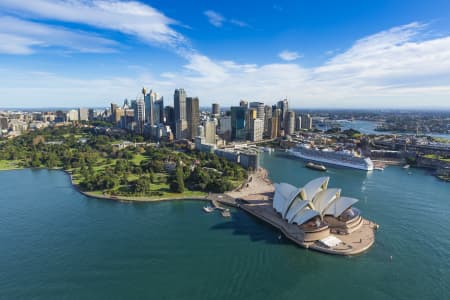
306	122
290	123
274	124
256	129
210	132
179	101
150	99
238	122
158	111
118	113
267	117
259	109
215	111
113	113
169	115
284	106
192	115
139	114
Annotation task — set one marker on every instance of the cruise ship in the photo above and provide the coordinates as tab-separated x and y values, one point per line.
343	158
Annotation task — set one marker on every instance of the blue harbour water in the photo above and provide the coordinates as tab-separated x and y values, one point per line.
57	244
368	127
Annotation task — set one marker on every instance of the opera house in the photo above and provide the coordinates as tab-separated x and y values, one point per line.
320	212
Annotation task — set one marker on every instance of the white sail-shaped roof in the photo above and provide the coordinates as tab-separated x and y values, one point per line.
314	186
298	205
324	199
306	215
290	201
339	206
296	209
283	192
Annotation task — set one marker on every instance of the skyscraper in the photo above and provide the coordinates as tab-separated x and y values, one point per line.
179	101
170	115
267	117
150	99
306	122
290	123
158	111
210	132
284	106
256	129
238	122
215	111
139	115
192	115
259	109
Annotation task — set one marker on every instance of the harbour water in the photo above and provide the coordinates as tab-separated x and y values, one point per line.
368	127
55	243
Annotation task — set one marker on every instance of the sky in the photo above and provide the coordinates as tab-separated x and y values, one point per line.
317	54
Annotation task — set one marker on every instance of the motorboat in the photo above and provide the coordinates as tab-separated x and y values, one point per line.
318	167
208	208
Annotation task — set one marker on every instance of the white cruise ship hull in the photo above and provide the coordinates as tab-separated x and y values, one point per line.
362	166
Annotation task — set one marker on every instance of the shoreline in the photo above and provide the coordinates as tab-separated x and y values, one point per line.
257	191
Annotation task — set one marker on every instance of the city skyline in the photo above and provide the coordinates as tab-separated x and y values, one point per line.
397	55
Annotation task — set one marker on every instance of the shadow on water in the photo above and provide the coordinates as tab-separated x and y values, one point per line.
243	224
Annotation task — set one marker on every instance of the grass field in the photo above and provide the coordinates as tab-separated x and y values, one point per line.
435	156
9	165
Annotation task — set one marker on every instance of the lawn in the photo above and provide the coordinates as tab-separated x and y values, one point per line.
9	164
435	156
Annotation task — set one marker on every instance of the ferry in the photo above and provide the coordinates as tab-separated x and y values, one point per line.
317	167
344	158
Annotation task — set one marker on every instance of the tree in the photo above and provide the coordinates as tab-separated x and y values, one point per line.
177	184
141	186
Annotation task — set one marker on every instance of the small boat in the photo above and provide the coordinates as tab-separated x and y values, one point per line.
406	166
379	168
317	167
226	213
208	209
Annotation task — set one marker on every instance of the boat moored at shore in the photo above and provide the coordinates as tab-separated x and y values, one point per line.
344	158
317	167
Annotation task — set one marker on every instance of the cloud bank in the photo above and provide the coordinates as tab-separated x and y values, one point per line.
399	67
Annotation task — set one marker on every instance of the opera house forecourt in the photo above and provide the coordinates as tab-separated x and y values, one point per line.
316	217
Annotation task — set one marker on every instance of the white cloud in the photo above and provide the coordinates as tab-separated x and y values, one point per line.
214	18
288	55
23	37
398	67
238	23
218	20
128	17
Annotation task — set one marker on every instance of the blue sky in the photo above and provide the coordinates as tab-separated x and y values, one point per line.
335	54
